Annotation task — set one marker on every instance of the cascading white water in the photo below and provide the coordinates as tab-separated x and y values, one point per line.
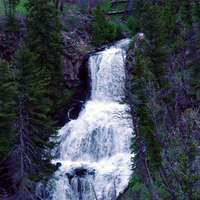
94	150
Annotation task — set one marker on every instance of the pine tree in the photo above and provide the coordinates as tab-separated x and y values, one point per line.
10	22
171	28
8	89
164	93
147	80
186	12
102	29
28	160
99	25
45	41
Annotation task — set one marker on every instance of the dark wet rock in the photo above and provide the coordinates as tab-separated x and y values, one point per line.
91	172
69	176
58	164
80	172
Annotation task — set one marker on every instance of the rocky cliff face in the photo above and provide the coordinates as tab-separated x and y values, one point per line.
9	42
75	42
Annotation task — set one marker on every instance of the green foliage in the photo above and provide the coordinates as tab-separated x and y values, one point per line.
81	27
119	29
133	25
10	24
99	25
186	12
33	126
66	28
10	6
102	29
165	110
135	183
44	40
196	11
110	31
70	19
8	91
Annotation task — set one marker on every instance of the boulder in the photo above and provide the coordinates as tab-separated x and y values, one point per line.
80	172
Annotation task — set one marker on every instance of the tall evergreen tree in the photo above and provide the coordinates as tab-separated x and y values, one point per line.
28	160
10	22
99	25
44	40
8	90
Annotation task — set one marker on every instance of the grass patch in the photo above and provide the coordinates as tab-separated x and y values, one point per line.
19	10
66	28
2	10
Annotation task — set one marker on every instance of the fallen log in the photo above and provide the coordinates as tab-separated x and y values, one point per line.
117	2
115	12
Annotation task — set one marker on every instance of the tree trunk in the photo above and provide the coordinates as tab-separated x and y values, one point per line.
10	10
5	7
21	152
117	2
124	15
22	166
148	178
56	6
148	181
90	7
61	5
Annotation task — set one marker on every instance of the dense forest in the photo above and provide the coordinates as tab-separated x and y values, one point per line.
162	91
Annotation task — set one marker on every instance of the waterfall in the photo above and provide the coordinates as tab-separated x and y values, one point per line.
93	156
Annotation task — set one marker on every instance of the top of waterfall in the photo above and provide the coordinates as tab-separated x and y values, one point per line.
122	44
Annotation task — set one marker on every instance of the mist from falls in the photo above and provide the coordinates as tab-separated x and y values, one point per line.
94	150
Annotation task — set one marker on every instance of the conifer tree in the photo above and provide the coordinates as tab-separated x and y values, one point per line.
99	25
44	40
164	90
102	29
8	90
10	22
186	12
28	160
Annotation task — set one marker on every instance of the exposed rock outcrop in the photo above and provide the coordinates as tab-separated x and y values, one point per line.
9	43
75	44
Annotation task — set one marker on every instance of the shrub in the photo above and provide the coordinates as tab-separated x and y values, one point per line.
110	31
66	28
119	29
10	24
98	34
70	19
133	25
102	29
